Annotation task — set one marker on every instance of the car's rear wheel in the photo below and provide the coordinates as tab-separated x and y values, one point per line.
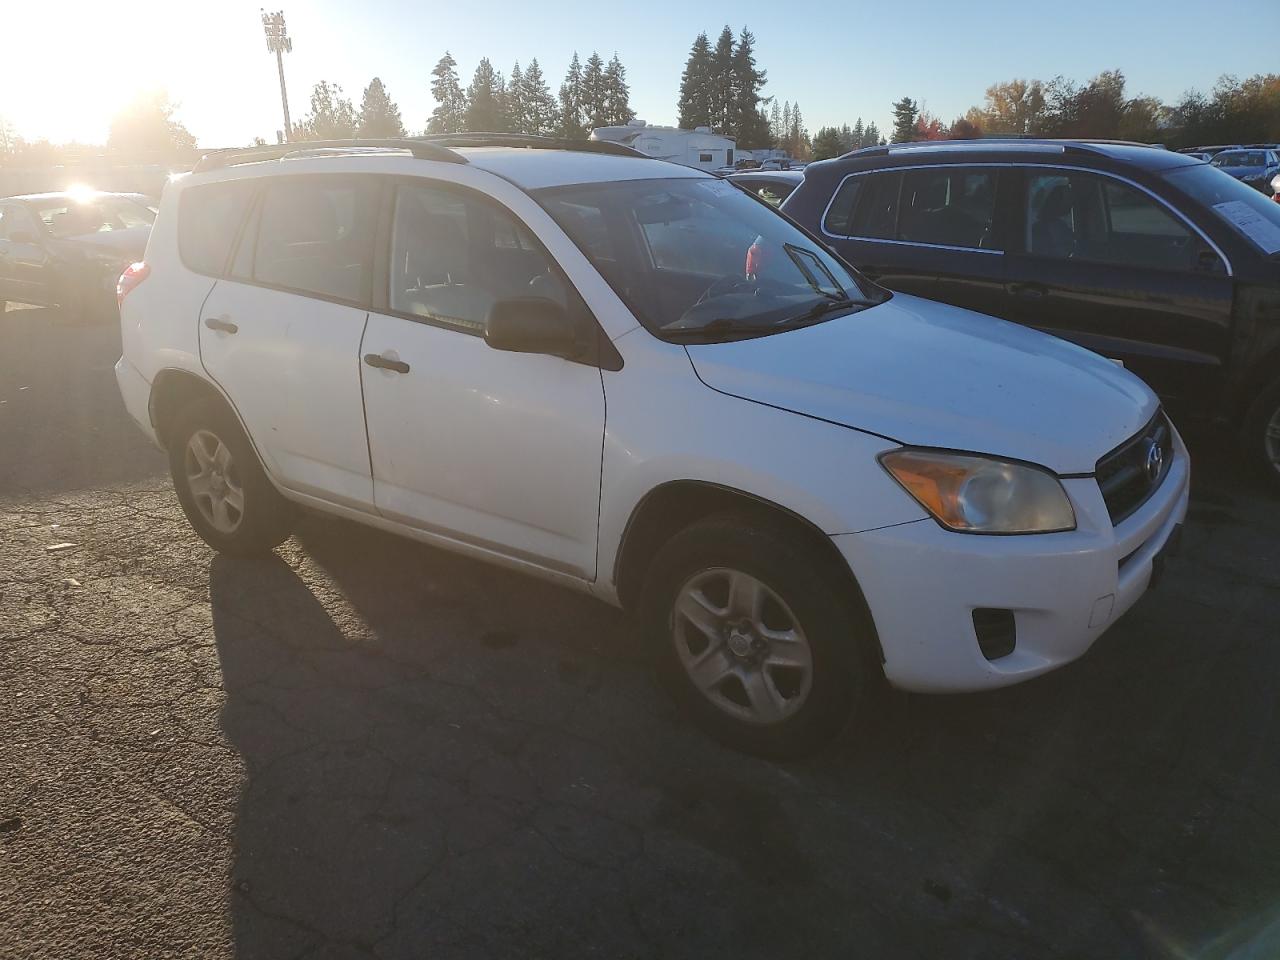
1262	432
221	486
756	636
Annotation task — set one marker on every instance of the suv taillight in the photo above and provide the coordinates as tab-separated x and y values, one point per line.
134	275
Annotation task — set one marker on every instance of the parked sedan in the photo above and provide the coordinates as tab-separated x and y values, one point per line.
67	250
1143	255
1254	167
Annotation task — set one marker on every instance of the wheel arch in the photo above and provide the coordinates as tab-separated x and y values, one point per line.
672	506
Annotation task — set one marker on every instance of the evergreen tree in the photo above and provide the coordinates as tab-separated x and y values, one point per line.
500	97
872	137
776	131
379	115
723	104
617	94
904	120
571	118
451	104
514	105
484	108
539	105
752	127
332	116
827	143
695	86
859	133
594	93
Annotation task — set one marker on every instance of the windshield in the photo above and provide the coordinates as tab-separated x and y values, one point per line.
1239	158
66	217
699	257
1244	209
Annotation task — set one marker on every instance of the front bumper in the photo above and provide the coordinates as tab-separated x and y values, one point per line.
922	584
136	392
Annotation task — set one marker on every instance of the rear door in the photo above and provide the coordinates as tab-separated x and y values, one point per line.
281	333
1109	266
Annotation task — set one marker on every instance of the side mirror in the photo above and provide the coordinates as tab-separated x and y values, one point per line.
532	325
22	236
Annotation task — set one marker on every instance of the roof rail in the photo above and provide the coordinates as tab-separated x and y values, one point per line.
532	142
419	148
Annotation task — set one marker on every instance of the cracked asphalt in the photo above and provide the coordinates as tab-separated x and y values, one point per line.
362	747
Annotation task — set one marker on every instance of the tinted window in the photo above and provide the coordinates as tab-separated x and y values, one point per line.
316	236
208	218
840	213
1239	158
453	256
1086	217
876	215
953	207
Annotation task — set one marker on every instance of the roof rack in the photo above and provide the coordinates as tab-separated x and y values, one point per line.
531	142
419	148
1066	145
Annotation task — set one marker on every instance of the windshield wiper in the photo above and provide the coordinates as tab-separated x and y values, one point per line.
720	325
798	256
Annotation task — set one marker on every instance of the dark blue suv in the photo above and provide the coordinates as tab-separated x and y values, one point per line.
1150	257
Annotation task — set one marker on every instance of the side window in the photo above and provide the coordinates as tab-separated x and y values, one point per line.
315	236
1086	217
839	219
876	215
453	256
208	218
14	219
948	206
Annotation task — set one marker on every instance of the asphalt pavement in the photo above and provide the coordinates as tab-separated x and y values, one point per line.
362	747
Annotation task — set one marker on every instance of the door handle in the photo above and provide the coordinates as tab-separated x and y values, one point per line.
221	324
1029	291
386	363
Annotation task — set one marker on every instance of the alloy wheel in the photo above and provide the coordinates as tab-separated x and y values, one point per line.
741	646
214	481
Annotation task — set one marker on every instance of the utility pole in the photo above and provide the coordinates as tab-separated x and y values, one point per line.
279	43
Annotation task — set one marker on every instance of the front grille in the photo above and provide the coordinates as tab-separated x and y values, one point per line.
1132	472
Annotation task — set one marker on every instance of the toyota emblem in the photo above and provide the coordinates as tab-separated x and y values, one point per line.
1155	461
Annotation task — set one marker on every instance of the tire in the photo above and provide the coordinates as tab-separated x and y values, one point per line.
712	569
222	487
1262	433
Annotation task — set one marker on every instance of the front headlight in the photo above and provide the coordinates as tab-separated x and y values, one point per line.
972	494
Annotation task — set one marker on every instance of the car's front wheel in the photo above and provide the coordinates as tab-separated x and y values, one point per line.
1262	432
221	486
756	636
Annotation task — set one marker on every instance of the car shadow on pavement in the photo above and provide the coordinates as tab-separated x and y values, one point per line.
446	758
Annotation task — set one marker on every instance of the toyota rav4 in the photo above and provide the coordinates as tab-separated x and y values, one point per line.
636	380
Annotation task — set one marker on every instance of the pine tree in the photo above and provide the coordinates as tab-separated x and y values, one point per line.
451	103
872	137
500	97
752	127
904	120
784	137
514	107
539	104
859	133
617	94
594	94
379	116
571	120
484	109
723	104
695	93
776	133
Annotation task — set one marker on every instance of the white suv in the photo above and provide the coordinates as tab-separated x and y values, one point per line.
633	379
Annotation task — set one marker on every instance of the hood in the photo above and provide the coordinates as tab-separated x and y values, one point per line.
130	244
927	374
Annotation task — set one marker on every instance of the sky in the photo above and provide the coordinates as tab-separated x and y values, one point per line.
70	65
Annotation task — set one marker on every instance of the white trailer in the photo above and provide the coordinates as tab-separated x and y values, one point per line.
694	148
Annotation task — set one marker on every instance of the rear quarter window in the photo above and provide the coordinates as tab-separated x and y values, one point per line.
209	218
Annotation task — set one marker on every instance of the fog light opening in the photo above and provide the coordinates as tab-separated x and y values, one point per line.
996	631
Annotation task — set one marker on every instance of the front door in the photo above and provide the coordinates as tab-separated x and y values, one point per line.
282	335
1110	267
497	450
25	274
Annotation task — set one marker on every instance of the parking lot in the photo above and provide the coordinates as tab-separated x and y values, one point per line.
362	747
